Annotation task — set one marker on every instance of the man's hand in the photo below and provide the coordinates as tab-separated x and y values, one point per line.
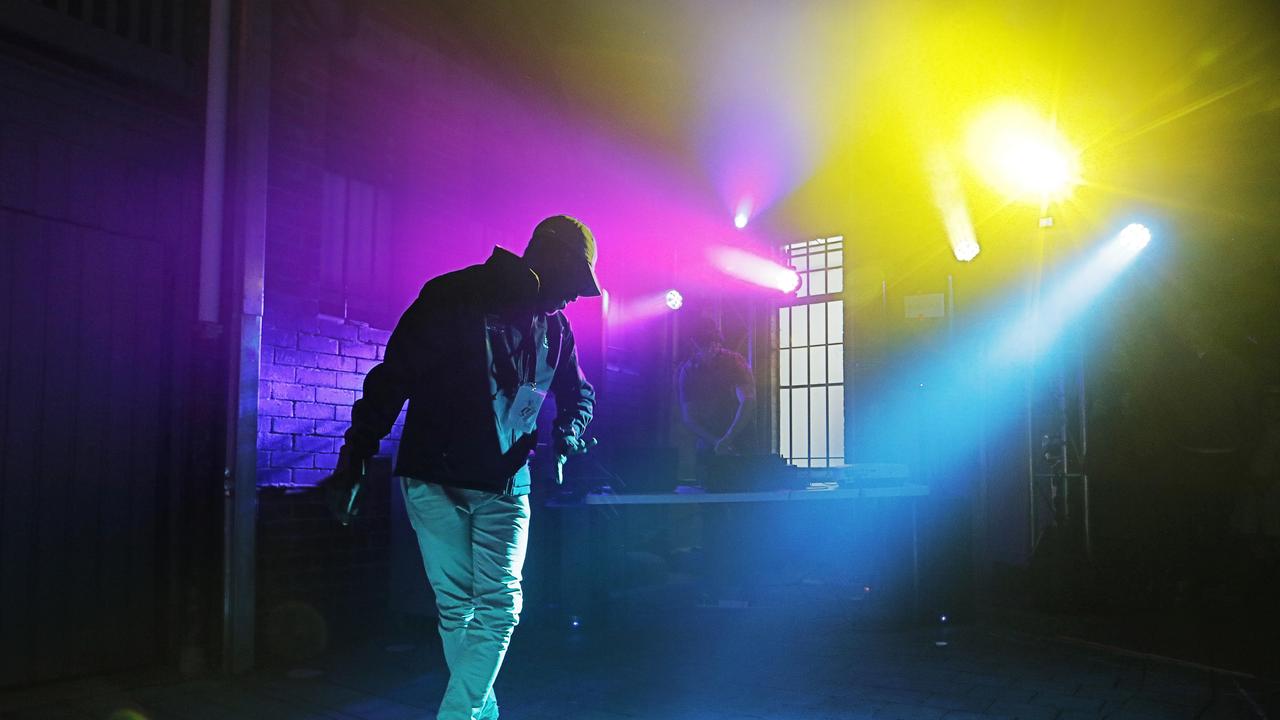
344	487
567	447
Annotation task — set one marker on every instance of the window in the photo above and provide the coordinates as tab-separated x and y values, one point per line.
355	237
810	356
154	41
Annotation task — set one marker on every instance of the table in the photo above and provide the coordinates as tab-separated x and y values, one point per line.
577	525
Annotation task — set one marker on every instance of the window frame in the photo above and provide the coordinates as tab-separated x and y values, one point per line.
355	250
820	264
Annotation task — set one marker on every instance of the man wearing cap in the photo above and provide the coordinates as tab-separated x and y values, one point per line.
475	355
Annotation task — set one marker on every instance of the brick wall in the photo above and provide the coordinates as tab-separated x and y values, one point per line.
321	336
458	162
312	371
466	161
316	579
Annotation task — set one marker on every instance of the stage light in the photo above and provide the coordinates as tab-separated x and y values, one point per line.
1134	237
639	309
950	201
754	269
789	281
964	243
1069	296
1022	155
742	215
967	252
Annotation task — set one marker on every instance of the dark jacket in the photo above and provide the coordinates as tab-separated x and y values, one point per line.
438	359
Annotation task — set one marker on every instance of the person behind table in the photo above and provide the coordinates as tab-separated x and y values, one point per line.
717	395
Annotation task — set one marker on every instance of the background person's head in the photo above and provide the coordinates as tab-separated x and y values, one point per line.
704	334
562	252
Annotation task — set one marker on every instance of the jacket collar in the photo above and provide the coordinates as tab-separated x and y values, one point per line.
516	285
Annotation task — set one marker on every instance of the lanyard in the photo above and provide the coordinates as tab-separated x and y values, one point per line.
526	354
522	359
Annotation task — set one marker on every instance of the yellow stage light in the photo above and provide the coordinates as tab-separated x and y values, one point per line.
1022	155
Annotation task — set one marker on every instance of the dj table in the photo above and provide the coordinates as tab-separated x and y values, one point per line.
582	535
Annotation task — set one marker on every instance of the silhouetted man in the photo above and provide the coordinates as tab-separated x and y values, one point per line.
717	394
475	355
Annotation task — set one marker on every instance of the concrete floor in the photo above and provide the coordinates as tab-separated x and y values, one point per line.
701	664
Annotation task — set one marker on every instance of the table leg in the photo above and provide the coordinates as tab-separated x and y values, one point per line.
915	558
575	561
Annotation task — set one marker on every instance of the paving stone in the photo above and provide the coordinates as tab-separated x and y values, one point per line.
1007	693
957	702
985	679
1023	711
1155	709
1181	715
1078	715
895	711
1103	693
889	695
1068	702
700	670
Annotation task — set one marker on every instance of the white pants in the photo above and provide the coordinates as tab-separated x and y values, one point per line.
473	546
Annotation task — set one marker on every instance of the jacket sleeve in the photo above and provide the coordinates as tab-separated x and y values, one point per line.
575	398
389	383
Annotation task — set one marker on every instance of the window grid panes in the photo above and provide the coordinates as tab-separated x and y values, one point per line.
810	356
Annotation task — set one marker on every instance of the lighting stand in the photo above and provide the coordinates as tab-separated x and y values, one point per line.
1057	449
1060	468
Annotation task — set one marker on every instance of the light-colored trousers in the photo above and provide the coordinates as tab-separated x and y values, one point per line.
473	546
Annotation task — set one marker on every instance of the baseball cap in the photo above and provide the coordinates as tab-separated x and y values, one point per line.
575	238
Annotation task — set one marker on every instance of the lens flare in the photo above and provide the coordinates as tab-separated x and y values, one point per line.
1022	155
674	299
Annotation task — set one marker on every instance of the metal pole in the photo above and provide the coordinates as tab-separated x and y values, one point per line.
1083	410
1062	511
215	163
1033	304
246	232
915	555
1032	520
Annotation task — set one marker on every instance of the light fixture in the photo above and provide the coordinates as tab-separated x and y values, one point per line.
674	299
1134	237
